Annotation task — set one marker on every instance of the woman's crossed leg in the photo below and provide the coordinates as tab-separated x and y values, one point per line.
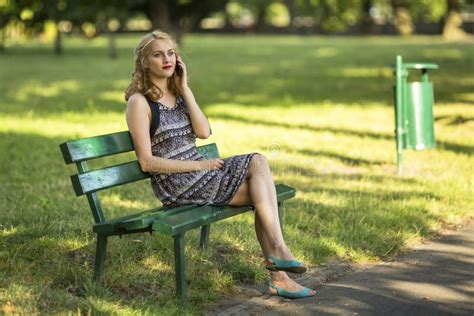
258	189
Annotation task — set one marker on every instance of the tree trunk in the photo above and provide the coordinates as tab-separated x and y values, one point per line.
402	17
112	45
2	40
58	47
452	29
290	4
228	23
160	16
260	18
367	20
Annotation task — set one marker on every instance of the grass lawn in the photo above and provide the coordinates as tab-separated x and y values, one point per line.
320	108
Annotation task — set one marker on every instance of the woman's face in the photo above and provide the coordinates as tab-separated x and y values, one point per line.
162	58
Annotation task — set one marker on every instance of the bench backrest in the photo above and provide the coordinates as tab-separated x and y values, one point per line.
88	182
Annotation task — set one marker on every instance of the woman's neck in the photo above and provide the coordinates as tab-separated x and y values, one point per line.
161	83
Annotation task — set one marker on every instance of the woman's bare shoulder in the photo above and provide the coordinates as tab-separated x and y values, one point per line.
137	98
137	101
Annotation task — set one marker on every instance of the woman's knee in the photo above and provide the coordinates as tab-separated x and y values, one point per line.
259	164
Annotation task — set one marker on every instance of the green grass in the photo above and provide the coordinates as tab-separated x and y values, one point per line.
320	108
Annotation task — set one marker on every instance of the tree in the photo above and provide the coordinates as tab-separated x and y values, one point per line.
177	17
91	17
258	9
56	11
8	11
331	15
402	17
291	5
367	20
453	22
49	10
35	14
110	16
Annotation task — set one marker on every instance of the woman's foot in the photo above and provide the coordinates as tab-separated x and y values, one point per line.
283	281
292	266
281	253
283	260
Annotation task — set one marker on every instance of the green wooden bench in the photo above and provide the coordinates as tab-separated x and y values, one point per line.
174	222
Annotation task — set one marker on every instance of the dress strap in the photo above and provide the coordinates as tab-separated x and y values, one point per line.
155	116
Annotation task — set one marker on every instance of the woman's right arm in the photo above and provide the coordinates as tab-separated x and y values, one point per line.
138	117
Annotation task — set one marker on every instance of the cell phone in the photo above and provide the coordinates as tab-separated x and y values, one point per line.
179	69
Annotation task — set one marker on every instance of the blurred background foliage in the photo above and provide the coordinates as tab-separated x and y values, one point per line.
53	19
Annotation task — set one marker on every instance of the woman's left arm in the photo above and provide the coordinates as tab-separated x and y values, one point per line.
198	119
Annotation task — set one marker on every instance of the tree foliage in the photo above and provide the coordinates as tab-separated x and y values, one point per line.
179	16
91	17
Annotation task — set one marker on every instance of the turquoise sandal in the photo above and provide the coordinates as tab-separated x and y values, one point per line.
306	292
285	265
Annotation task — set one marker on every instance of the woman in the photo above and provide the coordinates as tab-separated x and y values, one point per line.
164	121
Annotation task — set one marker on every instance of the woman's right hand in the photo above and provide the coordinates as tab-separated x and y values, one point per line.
212	164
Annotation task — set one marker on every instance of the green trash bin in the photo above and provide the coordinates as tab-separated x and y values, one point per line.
413	109
419	116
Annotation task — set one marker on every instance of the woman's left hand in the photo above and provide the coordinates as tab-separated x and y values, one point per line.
181	81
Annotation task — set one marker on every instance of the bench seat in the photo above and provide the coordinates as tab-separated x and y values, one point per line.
180	219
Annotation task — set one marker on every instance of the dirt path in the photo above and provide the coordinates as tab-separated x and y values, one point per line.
434	278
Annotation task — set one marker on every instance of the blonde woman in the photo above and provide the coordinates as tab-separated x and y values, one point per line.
164	121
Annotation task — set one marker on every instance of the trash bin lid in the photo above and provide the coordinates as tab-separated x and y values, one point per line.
419	66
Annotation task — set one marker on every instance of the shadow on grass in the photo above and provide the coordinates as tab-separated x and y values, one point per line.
342	158
40	203
57	275
356	228
443	145
223	71
47	242
453	120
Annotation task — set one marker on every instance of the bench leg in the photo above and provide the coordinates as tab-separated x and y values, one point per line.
204	236
100	252
179	267
280	215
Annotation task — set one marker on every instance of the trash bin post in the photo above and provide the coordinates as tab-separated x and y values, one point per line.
399	111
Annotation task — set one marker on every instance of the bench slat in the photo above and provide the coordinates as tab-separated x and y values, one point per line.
147	220
95	147
209	151
111	226
170	221
173	225
111	144
136	221
182	222
109	177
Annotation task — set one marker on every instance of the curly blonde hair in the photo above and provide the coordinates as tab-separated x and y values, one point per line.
140	77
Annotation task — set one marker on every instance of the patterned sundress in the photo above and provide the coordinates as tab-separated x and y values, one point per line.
172	137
